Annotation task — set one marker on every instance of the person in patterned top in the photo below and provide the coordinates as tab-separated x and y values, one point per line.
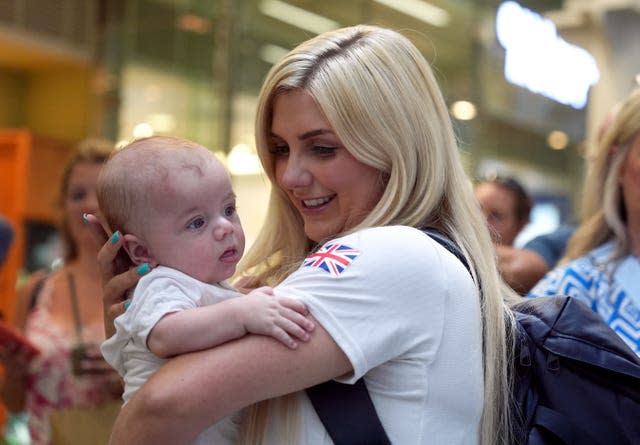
601	265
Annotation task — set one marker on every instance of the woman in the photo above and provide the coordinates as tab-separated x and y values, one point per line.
600	266
355	137
46	308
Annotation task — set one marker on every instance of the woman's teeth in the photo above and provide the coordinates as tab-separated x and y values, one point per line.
316	202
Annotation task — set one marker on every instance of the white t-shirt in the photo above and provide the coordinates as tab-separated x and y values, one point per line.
160	292
406	313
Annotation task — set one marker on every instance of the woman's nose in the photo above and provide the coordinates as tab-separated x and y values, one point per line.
295	174
91	202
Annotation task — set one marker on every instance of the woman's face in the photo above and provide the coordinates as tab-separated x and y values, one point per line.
630	181
79	198
331	190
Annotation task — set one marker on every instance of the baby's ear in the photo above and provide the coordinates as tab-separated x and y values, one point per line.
137	250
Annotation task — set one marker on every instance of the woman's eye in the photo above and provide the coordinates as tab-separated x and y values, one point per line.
279	149
77	195
324	150
230	211
196	223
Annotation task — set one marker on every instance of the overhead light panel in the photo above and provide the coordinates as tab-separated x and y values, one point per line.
272	53
423	11
301	18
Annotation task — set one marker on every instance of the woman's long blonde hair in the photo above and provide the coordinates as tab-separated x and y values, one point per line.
380	97
603	210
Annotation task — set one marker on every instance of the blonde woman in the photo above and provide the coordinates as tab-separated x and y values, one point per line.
601	266
66	375
355	137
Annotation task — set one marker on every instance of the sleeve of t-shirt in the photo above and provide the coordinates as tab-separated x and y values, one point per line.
378	293
551	246
158	297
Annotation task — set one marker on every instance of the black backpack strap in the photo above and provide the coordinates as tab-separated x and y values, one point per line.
346	411
348	414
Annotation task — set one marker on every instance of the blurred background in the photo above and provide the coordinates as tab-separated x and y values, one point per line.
527	82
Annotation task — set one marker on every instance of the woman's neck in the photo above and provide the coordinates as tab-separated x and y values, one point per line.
86	263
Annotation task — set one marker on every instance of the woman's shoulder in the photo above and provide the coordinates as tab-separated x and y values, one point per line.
387	248
578	275
385	235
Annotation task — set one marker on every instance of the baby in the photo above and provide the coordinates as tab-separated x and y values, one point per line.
173	201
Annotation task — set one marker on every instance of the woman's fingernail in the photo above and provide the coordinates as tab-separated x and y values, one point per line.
142	269
115	237
85	220
127	304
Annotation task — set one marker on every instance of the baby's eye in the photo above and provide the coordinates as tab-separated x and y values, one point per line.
230	211
196	223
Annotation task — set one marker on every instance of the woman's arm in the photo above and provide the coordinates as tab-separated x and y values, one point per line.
193	391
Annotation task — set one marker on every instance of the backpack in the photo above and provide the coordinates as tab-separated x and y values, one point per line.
575	381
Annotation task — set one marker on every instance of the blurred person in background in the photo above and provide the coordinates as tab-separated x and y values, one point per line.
601	266
506	206
522	268
61	313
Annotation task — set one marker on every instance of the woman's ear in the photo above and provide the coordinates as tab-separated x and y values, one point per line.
138	251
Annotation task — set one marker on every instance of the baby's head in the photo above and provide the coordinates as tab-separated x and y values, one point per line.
173	201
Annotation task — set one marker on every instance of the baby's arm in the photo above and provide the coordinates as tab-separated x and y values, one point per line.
259	312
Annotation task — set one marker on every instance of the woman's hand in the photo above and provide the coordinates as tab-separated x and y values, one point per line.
117	273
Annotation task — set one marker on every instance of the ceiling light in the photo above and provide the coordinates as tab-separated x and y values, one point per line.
463	110
557	140
423	11
142	130
298	17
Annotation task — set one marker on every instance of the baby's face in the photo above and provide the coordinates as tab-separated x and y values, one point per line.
193	225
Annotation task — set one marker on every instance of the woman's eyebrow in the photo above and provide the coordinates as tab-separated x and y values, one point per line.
307	135
312	133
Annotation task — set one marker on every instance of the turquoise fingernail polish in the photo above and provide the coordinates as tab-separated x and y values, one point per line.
85	220
142	269
127	304
115	237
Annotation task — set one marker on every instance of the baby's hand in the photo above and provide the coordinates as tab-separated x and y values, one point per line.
280	317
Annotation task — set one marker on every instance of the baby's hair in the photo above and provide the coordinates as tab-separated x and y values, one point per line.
127	182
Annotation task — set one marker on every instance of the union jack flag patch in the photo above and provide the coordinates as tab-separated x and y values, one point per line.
332	258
